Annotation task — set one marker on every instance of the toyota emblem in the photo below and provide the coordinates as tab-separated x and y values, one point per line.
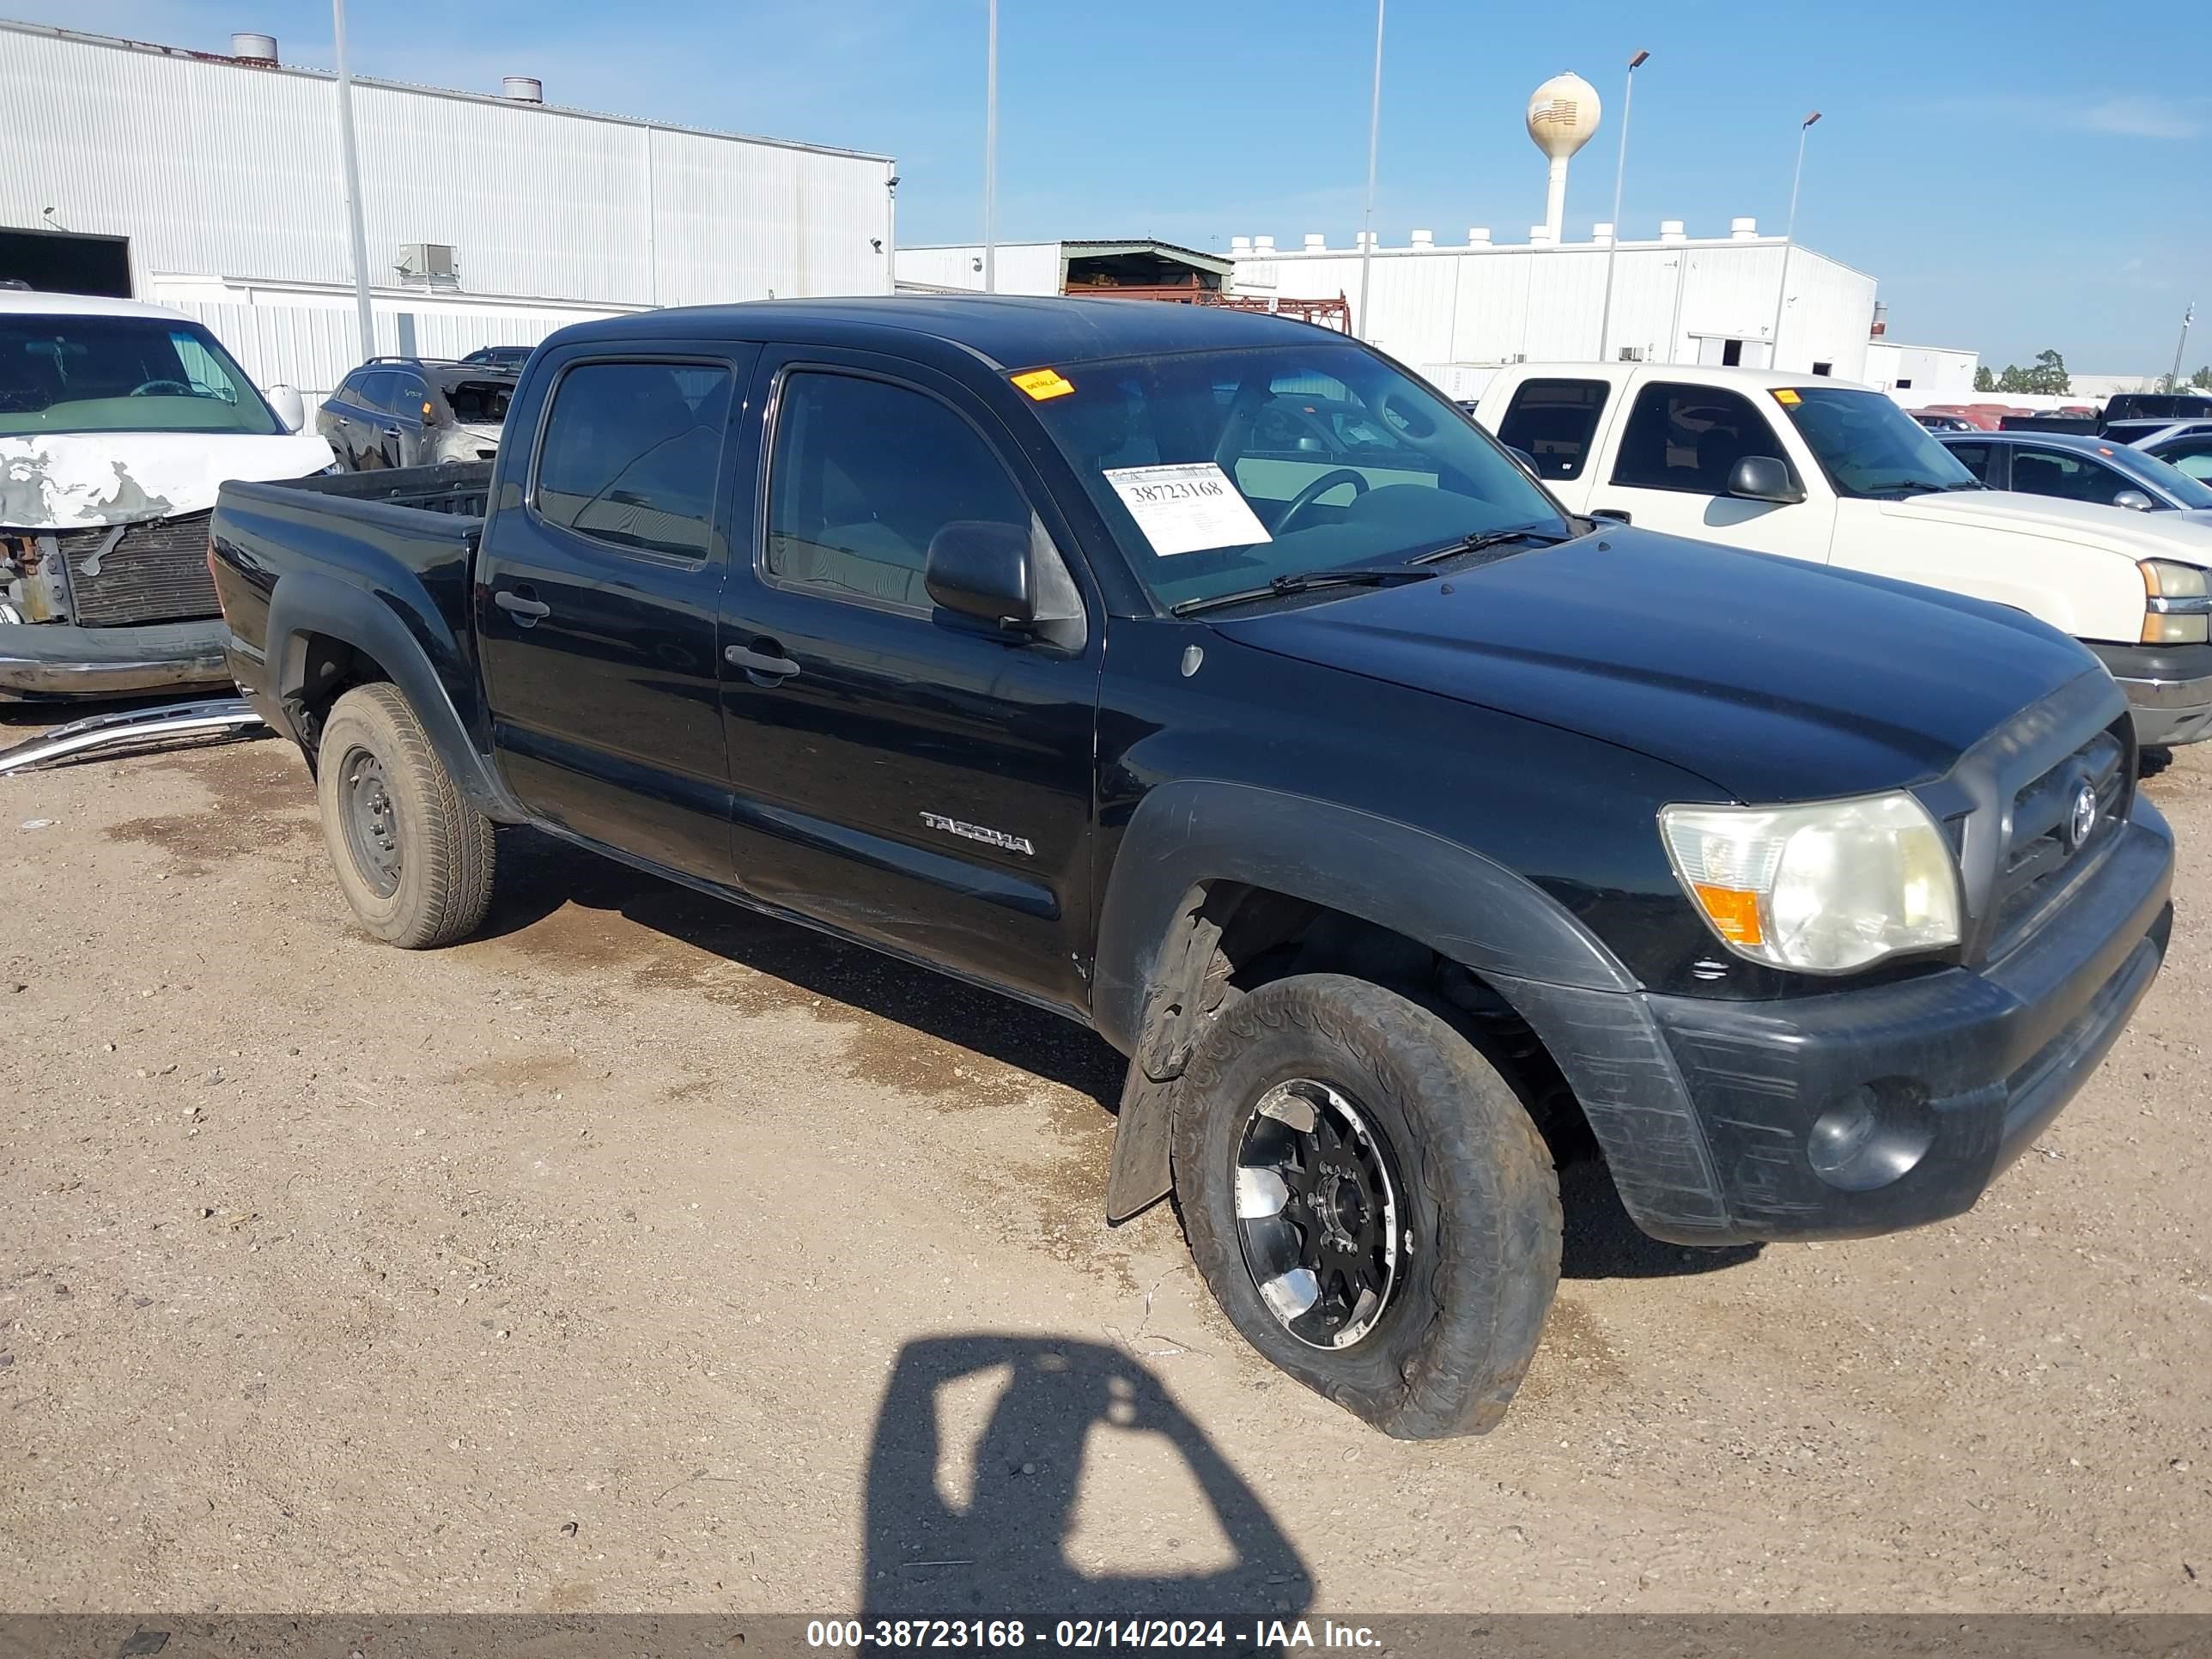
2081	822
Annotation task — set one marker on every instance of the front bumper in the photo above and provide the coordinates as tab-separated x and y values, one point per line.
2169	689
41	660
1864	1110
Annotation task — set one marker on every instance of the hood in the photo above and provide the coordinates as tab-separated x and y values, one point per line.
1773	679
2186	536
72	480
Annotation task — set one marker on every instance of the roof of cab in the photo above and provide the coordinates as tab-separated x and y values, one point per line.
1006	331
38	302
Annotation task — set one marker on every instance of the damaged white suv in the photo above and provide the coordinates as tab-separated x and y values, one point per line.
118	421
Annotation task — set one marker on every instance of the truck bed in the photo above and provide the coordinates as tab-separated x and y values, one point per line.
461	488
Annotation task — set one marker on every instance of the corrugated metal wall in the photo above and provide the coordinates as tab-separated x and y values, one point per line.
1021	267
214	169
1492	305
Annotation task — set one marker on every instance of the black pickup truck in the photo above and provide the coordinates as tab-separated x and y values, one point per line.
1403	831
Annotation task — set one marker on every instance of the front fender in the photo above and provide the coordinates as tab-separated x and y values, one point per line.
306	603
1461	904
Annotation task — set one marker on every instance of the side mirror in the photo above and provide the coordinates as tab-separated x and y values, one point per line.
982	570
1523	459
1764	478
285	401
2133	500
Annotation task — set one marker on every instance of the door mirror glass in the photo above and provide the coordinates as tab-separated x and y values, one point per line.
982	570
2133	500
288	406
1764	478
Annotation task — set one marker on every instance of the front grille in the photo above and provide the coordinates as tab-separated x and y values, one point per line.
156	571
2042	852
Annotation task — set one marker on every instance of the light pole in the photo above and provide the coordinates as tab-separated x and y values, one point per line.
1788	241
1620	171
352	161
991	157
2173	381
1374	137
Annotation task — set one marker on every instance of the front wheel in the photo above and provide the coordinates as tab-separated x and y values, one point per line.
1369	1202
414	859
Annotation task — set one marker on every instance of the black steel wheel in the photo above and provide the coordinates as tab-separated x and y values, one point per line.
415	860
372	824
1318	1214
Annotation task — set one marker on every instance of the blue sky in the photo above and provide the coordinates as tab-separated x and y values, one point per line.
2000	171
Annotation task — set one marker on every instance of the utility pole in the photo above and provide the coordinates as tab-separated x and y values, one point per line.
2173	381
1374	137
991	157
351	158
1788	241
1612	248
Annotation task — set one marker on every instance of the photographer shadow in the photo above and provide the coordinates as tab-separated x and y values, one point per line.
1001	1547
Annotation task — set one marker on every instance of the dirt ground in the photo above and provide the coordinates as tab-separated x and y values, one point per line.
643	1254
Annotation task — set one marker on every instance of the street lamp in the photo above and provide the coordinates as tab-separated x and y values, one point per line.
991	157
1788	241
1620	171
351	160
1374	137
2173	381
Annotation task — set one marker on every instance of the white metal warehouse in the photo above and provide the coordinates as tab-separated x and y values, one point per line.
213	183
1456	312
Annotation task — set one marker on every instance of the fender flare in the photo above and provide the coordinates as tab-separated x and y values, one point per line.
1154	941
307	602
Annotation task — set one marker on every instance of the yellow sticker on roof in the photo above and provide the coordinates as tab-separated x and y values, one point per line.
1043	383
1785	396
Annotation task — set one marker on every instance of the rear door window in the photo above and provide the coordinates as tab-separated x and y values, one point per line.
630	455
1982	460
1554	422
1689	438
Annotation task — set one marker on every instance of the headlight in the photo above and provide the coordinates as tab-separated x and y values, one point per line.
1821	889
2176	611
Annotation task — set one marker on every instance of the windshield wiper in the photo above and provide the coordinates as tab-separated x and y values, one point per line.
1921	486
1483	538
1387	577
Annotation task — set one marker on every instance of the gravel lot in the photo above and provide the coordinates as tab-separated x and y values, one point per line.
643	1254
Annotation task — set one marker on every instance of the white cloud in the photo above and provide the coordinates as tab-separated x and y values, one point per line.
2140	115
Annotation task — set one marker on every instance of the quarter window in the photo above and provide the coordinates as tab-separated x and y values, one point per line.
1553	422
631	454
863	477
1975	458
1690	438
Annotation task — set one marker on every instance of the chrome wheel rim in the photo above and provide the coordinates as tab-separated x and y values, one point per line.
372	824
1318	1214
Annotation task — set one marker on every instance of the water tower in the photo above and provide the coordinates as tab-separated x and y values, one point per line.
1563	113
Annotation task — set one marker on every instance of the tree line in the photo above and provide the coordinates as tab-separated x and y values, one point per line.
2047	373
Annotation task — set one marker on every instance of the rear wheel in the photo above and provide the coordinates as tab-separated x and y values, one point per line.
413	858
1369	1202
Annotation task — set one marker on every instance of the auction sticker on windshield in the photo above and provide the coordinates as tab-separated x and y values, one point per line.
1186	508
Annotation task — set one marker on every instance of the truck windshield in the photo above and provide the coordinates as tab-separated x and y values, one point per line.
71	373
1869	446
1221	472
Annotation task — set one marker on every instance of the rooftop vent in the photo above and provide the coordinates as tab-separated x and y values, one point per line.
1315	240
1743	230
1670	230
254	48
1424	238
1263	245
1602	234
522	89
1478	236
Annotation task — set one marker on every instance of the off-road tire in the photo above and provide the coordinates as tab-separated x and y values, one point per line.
1482	1199
446	854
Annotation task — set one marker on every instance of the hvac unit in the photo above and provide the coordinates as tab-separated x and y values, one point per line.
427	262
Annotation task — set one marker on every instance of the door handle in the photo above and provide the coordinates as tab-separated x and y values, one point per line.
389	431
528	612
762	668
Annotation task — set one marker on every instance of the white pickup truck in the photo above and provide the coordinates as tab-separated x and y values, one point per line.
1816	468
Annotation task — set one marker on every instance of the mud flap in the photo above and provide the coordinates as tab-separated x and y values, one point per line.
1139	1175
